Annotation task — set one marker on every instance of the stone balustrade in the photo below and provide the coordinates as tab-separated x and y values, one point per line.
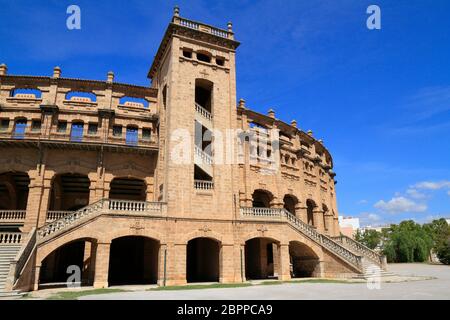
8	238
104	206
307	230
359	248
12	216
203	112
203	156
203	185
203	27
55	215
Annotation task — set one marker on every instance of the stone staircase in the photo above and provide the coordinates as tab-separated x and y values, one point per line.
104	206
7	254
353	253
373	266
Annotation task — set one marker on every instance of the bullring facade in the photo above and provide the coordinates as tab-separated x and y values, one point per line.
91	176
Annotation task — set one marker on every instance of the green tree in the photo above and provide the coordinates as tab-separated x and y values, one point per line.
369	238
407	242
440	233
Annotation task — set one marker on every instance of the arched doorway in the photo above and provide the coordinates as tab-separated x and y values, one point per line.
289	203
133	260
310	206
69	192
304	262
128	189
80	253
202	260
261	199
261	259
14	190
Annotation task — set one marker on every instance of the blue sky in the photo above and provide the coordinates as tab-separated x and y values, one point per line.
379	99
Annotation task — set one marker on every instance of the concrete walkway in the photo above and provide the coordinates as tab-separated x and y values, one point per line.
438	288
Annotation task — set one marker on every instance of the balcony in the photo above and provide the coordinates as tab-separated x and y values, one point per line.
203	116
203	185
12	217
203	160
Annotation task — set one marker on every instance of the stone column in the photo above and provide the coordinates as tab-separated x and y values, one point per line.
162	265
102	265
37	271
239	263
88	263
329	219
318	220
33	204
226	264
149	192
176	262
45	201
285	263
301	213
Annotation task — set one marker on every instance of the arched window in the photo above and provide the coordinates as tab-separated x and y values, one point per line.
204	56
134	102
76	133
81	96
132	137
19	128
262	199
29	93
290	203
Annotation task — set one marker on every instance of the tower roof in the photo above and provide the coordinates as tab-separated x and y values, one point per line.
195	30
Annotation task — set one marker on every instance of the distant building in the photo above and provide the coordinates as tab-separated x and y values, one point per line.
348	226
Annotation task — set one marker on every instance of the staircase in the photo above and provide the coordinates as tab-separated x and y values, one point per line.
373	265
358	259
104	206
203	160
10	244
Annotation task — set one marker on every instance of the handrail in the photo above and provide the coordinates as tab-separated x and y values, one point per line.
102	206
12	216
8	238
360	248
203	185
68	219
24	254
203	112
203	155
55	215
310	232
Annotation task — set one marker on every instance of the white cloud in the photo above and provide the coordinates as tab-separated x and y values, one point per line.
370	219
413	193
362	201
400	205
428	185
448	193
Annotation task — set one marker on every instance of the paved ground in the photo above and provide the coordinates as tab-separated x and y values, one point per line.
438	288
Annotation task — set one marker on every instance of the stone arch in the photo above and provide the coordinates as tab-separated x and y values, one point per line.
128	188
69	191
290	203
202	234
134	259
14	189
76	252
305	261
262	198
203	260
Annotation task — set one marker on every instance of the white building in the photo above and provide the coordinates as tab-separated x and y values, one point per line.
348	225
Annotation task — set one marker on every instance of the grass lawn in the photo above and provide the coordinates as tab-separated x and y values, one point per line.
73	295
200	286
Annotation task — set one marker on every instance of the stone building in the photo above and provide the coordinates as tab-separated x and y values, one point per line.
169	184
